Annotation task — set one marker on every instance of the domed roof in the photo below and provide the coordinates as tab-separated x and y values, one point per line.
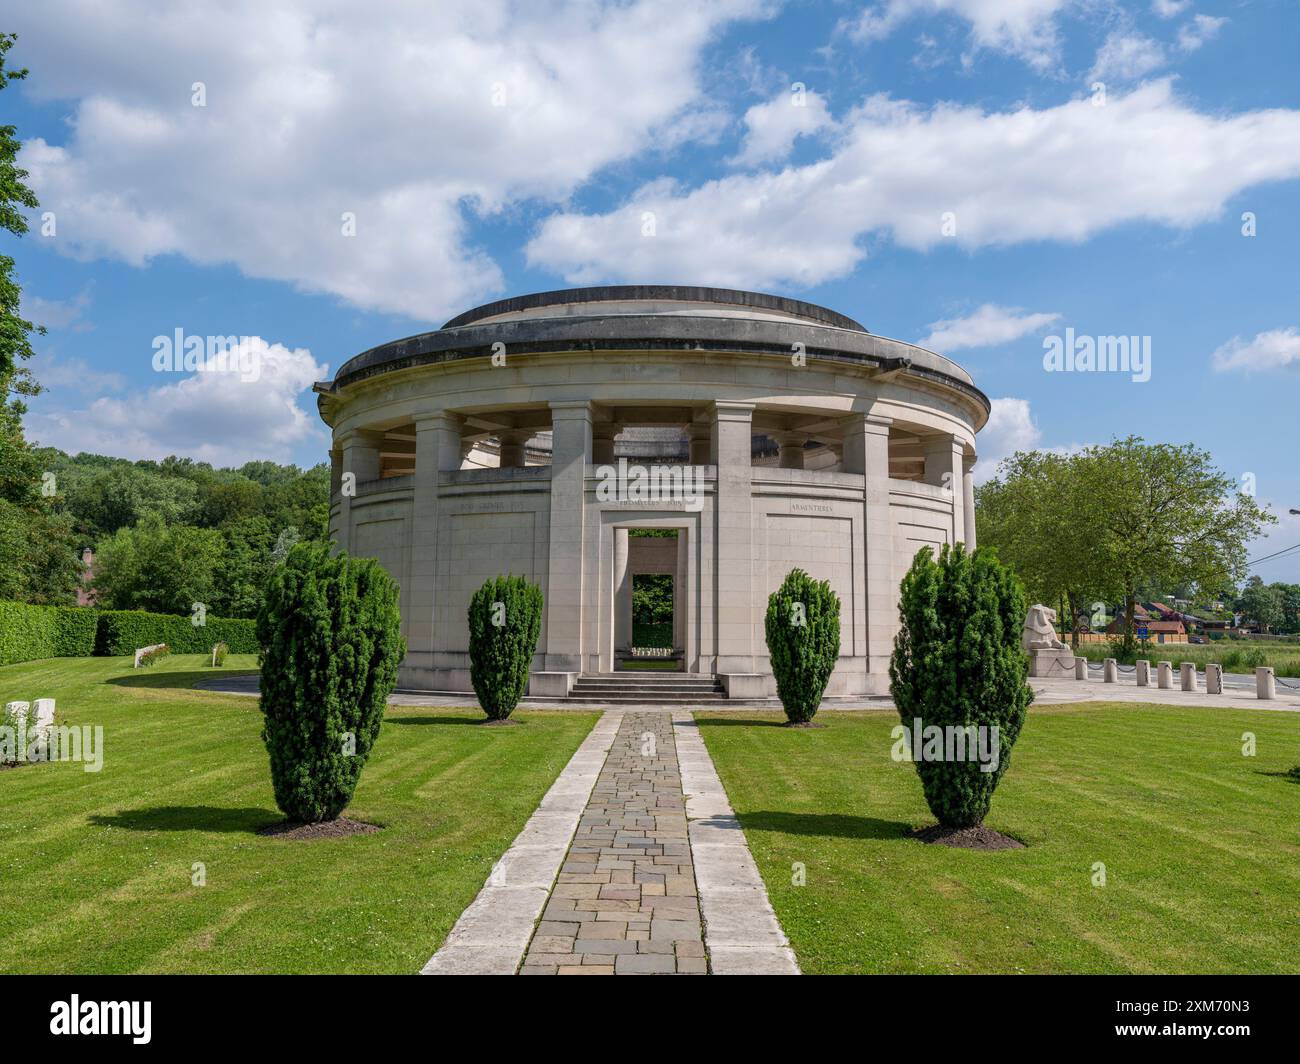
682	300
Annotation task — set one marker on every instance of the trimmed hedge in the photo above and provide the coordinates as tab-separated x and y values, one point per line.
26	632
803	638
74	631
123	631
29	633
505	619
958	664
331	629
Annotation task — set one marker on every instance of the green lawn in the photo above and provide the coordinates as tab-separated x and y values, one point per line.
1200	844
97	867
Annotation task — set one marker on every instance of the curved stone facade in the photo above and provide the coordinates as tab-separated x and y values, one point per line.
533	435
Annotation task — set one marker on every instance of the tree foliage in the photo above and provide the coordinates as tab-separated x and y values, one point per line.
1110	520
958	663
803	640
505	620
330	631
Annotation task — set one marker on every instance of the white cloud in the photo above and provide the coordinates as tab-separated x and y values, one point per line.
58	313
1011	428
57	375
771	127
1062	173
1202	28
1275	349
1169	8
988	326
1127	56
1022	28
214	414
313	110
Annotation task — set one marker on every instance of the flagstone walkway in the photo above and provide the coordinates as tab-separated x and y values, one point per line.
625	901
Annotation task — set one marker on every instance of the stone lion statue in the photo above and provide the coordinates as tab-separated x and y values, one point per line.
1039	633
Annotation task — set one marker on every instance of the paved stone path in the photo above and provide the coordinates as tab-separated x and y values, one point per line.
625	901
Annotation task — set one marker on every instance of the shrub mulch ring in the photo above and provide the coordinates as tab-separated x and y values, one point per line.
977	838
325	829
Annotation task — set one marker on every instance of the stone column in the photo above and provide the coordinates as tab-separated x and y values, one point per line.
968	499
1187	676
437	450
602	442
791	450
512	447
1142	667
866	451
1164	675
359	463
1110	670
944	460
622	594
680	591
734	521
570	456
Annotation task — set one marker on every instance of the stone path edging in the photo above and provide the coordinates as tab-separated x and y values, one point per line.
494	931
741	932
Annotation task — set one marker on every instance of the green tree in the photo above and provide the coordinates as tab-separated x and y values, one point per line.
158	567
125	495
1167	514
958	663
330	631
505	620
1039	518
803	639
1263	604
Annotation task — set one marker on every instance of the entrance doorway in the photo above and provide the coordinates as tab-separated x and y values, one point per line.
652	598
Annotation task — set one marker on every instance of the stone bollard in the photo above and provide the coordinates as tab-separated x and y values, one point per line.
1187	673
1164	675
1143	670
1080	668
44	713
1110	670
1214	679
1265	683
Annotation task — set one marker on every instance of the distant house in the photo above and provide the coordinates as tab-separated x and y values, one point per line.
86	592
1157	631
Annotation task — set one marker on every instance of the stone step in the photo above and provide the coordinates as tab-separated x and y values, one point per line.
622	699
681	685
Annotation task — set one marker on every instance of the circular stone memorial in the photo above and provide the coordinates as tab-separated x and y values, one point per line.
592	437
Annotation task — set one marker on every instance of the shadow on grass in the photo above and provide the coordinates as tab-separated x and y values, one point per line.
1291	776
190	818
178	680
742	722
476	721
826	825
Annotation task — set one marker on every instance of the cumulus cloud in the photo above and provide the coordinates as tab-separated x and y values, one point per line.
1275	349
1127	56
988	326
412	119
1169	8
927	175
1011	428
772	127
217	414
57	375
58	313
1022	28
1202	28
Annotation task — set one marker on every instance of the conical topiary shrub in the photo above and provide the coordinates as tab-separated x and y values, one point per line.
803	640
505	619
958	663
330	631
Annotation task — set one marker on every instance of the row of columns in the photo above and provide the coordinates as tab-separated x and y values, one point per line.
578	441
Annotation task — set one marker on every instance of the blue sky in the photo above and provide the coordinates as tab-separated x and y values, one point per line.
1092	161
